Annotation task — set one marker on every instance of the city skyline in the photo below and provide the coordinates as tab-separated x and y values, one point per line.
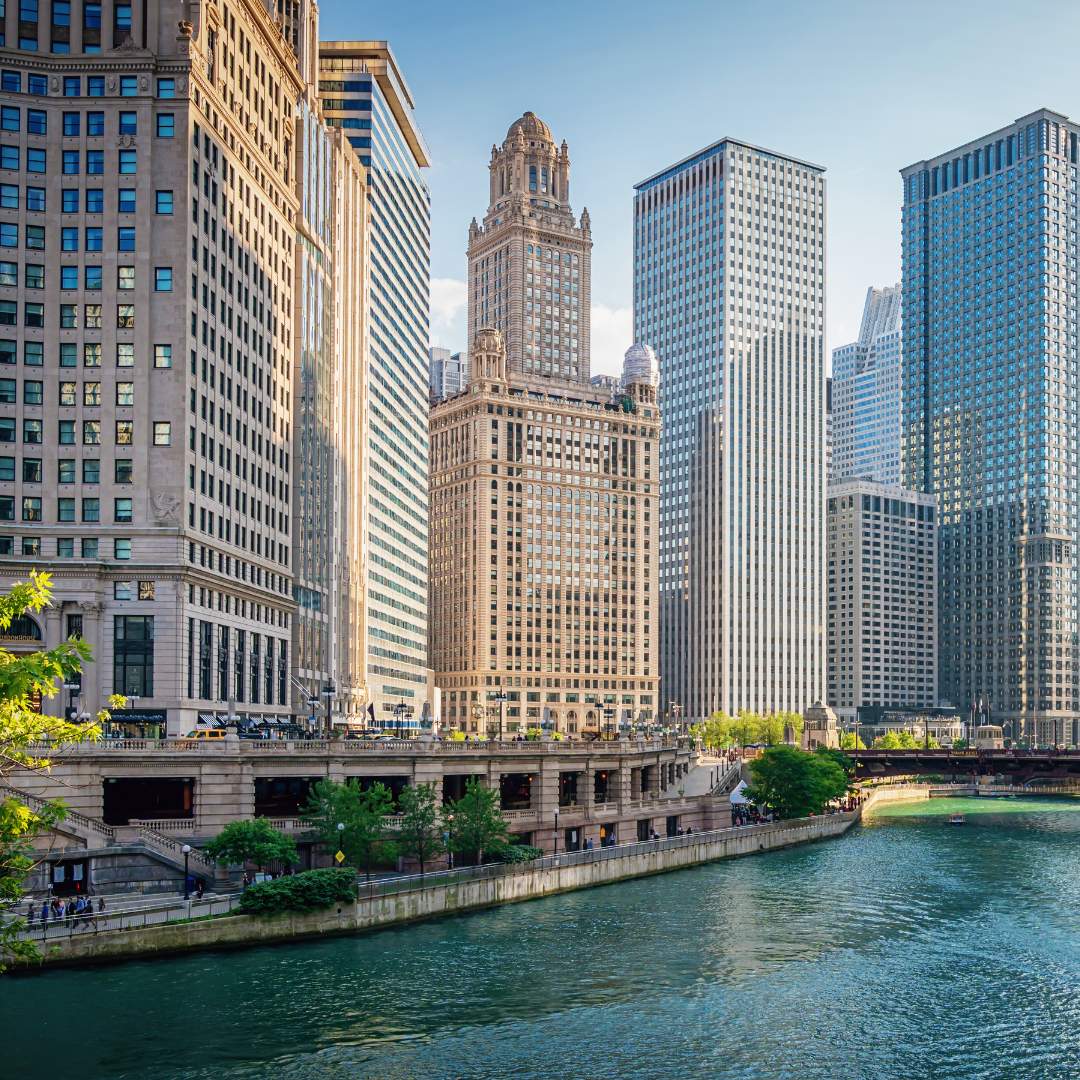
874	132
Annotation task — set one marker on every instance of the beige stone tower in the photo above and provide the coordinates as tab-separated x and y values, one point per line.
529	263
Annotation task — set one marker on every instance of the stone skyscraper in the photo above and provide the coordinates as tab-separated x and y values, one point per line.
990	314
530	262
868	382
729	290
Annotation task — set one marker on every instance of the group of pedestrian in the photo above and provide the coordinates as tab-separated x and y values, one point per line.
58	910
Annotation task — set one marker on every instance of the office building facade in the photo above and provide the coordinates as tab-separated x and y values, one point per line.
729	249
448	373
990	413
868	386
882	572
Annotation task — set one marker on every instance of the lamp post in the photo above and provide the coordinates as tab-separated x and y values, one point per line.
502	699
556	837
186	849
450	840
400	712
73	710
329	692
340	850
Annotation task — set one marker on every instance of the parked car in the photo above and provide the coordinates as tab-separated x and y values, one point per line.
206	733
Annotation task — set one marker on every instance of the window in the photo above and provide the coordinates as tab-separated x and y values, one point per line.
89	548
125	239
162	433
9	118
35	199
127	162
9	157
146	590
7	513
67	432
31	508
8	391
93	239
35	237
91	394
7	469
163	279
127	201
33	353
11	82
125	394
31	545
67	394
95	124
69	317
9	235
9	196
72	124
7	429
91	471
121	549
36	121
95	200
91	433
69	201
9	313
165	125
124	429
66	471
166	88
122	511
7	352
31	431
163	356
9	273
91	509
125	316
95	162
32	391
125	278
133	653
67	354
92	277
95	85
123	471
164	202
65	545
91	349
69	275
125	354
34	277
31	472
72	86
128	123
121	590
128	87
35	160
33	314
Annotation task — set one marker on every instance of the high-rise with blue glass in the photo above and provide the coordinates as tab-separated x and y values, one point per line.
990	405
729	249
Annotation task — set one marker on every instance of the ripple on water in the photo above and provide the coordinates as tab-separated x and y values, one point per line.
908	949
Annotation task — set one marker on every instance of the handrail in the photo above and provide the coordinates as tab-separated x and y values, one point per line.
35	802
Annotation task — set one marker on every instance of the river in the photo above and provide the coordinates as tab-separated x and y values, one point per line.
908	948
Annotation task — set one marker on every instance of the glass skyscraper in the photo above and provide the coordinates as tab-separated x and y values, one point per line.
990	413
868	381
729	291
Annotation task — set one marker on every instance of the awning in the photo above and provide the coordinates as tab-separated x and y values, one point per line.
211	720
736	795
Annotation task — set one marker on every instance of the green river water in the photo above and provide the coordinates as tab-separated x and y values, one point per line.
908	948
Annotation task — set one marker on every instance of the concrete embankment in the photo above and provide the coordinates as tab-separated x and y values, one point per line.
582	870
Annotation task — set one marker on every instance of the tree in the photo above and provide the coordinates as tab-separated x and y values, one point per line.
363	840
851	741
794	783
478	820
830	753
795	720
254	841
420	830
745	727
771	729
22	726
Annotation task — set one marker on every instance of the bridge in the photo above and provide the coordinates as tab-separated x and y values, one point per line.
1020	766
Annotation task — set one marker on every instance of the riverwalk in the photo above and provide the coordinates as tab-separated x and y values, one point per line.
395	901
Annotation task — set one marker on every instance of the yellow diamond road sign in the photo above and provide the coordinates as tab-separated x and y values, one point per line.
340	857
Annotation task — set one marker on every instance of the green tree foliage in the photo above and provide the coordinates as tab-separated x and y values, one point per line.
420	828
838	756
520	853
364	839
746	728
254	841
301	892
896	740
850	741
793	783
23	729
960	744
478	821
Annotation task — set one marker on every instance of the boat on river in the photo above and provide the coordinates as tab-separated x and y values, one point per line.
956	819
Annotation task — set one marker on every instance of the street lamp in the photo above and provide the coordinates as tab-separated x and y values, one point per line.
340	857
328	693
556	838
186	849
71	687
501	698
401	711
450	840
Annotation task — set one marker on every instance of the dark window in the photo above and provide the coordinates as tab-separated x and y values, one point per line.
127	201
133	655
128	123
36	121
95	123
72	123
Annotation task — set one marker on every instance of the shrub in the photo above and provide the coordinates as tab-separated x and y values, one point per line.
519	853
302	892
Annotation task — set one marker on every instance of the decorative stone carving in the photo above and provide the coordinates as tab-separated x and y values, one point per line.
186	28
166	506
127	46
144	83
181	85
55	83
110	83
127	140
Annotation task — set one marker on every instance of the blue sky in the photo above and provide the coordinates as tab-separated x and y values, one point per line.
862	89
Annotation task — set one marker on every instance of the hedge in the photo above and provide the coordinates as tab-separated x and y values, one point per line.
519	853
301	892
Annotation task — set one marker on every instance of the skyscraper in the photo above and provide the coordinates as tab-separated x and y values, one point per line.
543	490
868	384
990	405
542	314
449	373
729	291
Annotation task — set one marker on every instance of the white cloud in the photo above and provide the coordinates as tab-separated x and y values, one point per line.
612	335
448	299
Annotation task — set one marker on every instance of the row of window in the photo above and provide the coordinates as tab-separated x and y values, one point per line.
11	81
34	315
65	546
65	509
33	432
69	275
34	351
32	393
37	122
34	275
95	201
95	161
66	470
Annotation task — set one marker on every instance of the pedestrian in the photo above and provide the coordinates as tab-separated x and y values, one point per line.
44	913
199	889
245	883
30	914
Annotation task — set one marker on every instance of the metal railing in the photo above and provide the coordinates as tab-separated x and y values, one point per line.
72	817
